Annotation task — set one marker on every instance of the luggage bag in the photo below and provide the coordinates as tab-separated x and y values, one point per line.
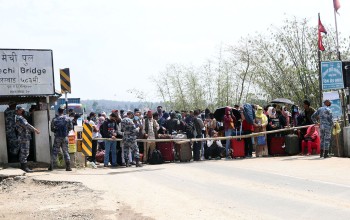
237	145
292	144
155	157
167	150
184	151
276	146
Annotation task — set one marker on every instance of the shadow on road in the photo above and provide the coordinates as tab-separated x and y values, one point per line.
302	158
134	171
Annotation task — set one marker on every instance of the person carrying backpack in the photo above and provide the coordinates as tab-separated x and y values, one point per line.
189	127
61	125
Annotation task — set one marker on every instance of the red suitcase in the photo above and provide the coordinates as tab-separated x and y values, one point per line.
276	146
167	150
237	146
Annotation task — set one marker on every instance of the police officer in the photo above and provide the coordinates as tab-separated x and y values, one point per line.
324	114
61	125
24	128
129	139
11	136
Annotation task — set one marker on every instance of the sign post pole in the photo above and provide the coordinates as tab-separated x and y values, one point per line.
66	100
49	128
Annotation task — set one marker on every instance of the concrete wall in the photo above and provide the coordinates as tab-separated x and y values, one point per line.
42	144
3	144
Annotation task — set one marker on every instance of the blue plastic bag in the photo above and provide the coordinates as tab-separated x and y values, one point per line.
261	140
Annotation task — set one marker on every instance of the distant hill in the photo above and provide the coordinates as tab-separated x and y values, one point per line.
99	106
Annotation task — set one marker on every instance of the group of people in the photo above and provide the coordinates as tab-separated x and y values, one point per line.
18	134
274	117
132	125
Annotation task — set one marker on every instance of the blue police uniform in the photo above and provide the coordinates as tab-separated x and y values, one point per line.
326	124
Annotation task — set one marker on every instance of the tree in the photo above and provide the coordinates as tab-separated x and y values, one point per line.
280	63
286	61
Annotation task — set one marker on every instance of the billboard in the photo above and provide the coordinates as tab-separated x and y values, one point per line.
26	72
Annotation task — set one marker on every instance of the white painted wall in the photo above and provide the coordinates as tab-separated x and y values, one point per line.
42	145
3	144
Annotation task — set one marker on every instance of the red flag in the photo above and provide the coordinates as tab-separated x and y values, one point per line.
323	30
336	5
320	26
320	45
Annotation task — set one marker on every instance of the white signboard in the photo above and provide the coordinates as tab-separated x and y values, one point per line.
26	72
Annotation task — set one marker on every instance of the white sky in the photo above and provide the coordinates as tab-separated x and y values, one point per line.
113	46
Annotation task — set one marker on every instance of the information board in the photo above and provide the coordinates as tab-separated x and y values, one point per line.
332	75
26	72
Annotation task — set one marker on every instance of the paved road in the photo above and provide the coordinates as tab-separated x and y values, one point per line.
260	188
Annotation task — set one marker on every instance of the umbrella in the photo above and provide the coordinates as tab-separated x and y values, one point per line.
236	113
282	100
219	113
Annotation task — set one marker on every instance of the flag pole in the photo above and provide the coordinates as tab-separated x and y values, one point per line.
319	75
319	65
343	91
336	34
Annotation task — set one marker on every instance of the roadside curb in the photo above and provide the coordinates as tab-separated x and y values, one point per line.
11	173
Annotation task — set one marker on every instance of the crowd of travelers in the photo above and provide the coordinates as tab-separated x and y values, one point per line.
131	126
161	124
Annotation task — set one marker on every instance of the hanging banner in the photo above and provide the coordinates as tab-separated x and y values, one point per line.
26	72
332	75
336	103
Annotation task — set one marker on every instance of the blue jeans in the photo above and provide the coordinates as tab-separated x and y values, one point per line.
228	141
110	146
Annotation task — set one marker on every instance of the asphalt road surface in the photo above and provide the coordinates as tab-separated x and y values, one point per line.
297	187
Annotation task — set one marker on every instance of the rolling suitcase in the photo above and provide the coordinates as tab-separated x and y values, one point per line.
276	146
237	146
167	150
292	144
184	151
183	148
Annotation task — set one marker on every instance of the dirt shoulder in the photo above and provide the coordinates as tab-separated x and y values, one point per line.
25	198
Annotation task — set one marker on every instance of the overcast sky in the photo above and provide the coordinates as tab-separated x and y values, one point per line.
114	46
